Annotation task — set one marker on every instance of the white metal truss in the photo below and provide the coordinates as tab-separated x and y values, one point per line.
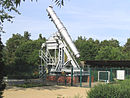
58	63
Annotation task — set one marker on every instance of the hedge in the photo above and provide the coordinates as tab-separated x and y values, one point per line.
118	90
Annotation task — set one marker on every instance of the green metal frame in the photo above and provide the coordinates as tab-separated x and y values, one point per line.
72	76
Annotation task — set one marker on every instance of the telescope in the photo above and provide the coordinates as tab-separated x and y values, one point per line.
62	30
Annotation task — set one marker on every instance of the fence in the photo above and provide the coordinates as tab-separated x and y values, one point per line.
87	77
109	75
79	78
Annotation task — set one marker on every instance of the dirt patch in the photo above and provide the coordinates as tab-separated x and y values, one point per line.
45	92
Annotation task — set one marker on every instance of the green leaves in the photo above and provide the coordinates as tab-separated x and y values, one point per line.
17	2
119	90
87	48
127	45
6	6
22	54
110	53
105	50
2	85
59	2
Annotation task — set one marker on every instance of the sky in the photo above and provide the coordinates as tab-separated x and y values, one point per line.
98	19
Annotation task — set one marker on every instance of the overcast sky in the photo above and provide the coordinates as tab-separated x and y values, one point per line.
98	19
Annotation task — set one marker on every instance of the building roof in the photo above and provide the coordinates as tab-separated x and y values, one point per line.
108	63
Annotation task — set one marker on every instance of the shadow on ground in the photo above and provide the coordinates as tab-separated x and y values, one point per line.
55	87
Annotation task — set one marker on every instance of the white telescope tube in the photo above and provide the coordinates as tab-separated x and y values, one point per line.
61	28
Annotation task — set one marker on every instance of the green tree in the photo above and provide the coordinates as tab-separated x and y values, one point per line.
110	53
112	42
41	38
26	36
127	49
128	55
27	58
11	45
88	48
127	45
21	54
2	85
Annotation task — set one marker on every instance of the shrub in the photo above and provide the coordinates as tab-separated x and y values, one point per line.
119	90
29	85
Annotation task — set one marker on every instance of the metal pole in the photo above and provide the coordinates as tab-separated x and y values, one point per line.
80	77
72	76
106	75
127	73
111	75
90	77
65	79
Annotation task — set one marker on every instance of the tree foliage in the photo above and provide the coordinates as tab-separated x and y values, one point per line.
11	45
127	48
110	53
2	85
7	6
105	50
112	42
26	36
41	38
28	52
59	2
127	45
22	54
88	48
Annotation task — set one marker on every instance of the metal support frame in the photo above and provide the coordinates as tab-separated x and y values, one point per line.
58	63
90	77
111	75
72	76
80	77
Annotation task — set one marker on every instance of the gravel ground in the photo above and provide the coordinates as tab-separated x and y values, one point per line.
45	92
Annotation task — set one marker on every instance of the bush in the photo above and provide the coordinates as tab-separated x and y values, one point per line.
22	77
29	85
119	90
